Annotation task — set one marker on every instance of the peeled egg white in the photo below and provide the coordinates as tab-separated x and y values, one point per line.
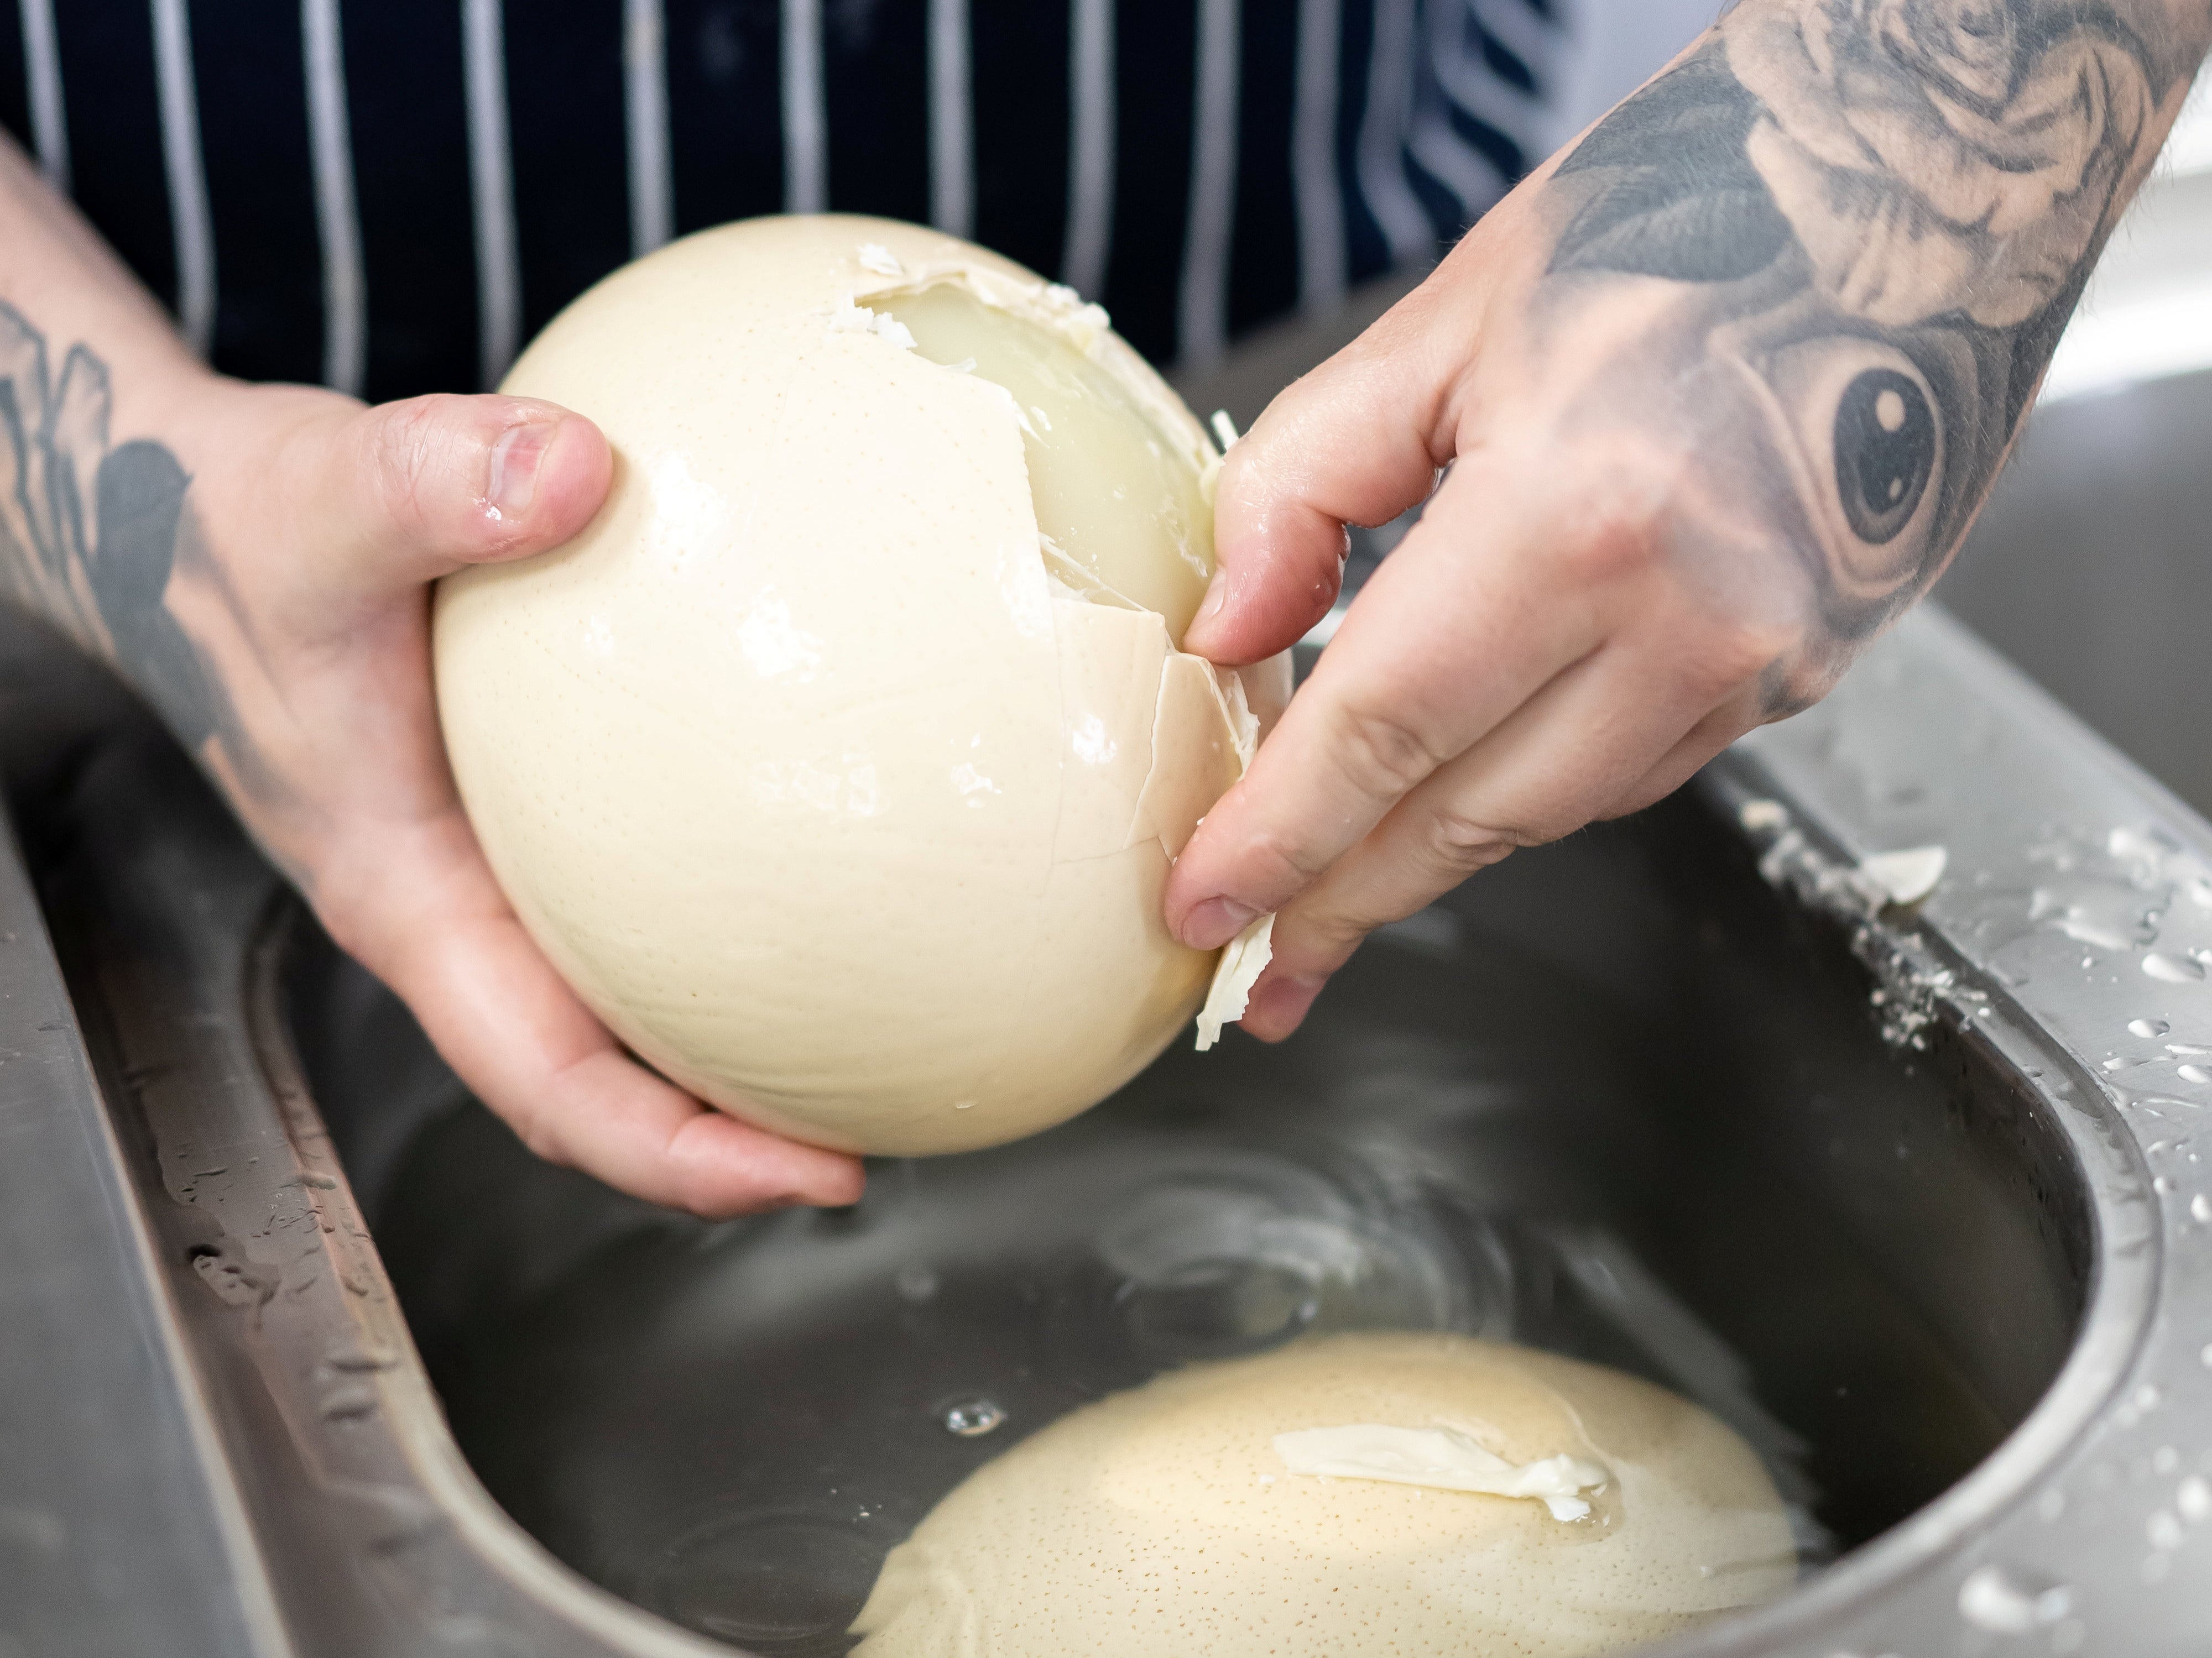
839	762
1164	1520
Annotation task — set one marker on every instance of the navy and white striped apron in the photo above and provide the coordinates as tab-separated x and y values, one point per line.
391	196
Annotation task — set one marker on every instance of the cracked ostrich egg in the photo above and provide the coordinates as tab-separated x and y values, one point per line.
839	762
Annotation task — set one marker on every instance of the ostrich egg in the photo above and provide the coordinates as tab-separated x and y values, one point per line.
839	762
1379	1492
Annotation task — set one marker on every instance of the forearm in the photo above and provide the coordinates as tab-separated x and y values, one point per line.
1837	242
95	388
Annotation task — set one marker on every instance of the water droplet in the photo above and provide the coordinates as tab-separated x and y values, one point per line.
2164	1460
2194	1499
971	1419
2164	1531
2146	1397
2148	1027
1991	1598
916	1282
2200	1210
2173	971
2193	1073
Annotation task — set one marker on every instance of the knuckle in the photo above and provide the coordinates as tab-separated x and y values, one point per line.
1285	865
1459	844
1733	655
1612	548
405	441
1384	751
1328	933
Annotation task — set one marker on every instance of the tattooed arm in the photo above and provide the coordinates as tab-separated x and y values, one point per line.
1720	391
255	560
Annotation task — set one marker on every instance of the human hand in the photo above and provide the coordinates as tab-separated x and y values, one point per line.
286	639
1719	391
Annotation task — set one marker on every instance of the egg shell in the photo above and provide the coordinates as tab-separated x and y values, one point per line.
801	769
1162	1520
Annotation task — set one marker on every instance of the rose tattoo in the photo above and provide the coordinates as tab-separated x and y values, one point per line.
1881	213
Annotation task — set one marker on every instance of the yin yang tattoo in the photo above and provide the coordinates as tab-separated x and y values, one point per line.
1877	215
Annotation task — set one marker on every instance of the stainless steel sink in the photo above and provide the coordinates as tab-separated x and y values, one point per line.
303	1354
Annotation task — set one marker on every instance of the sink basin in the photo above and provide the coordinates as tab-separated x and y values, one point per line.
1903	1194
1620	1100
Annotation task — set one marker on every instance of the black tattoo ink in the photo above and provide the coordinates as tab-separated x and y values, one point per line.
1884	451
90	535
142	508
1883	212
1678	196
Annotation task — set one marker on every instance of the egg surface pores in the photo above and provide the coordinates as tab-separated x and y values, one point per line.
1163	1520
838	763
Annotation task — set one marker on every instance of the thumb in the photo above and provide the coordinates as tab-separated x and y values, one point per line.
411	491
1356	441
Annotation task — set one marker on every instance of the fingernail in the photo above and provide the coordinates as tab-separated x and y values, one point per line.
511	480
1217	595
1212	924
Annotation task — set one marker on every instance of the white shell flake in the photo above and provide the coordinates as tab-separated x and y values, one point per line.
1443	1459
1901	877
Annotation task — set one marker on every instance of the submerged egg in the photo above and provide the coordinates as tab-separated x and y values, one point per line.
1175	1518
839	762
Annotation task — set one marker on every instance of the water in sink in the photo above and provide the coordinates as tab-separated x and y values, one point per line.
731	1425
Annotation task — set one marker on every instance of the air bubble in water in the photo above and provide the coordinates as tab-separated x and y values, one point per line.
971	1419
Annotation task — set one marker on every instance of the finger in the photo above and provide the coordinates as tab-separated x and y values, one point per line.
501	1017
1358	441
404	493
1565	758
1689	757
1453	632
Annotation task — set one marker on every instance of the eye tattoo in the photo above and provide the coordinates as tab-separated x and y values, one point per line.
1833	186
1885	453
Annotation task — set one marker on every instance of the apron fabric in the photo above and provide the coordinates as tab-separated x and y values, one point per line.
391	196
